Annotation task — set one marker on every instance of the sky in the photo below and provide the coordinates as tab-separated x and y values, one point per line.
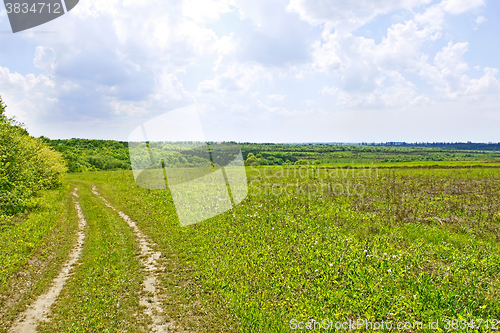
261	71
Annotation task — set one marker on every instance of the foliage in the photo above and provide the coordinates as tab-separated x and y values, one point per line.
93	155
27	166
301	154
90	155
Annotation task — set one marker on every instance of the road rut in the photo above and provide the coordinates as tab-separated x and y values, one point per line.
151	298
28	320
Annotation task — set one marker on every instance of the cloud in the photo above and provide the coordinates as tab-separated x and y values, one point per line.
232	77
478	21
390	89
450	59
203	11
448	76
432	18
115	64
276	97
347	15
460	6
371	73
487	84
119	58
28	97
45	59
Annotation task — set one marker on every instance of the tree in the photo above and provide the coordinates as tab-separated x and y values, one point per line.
3	117
27	165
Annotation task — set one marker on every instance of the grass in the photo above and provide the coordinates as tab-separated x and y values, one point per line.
402	244
189	303
417	244
32	250
102	295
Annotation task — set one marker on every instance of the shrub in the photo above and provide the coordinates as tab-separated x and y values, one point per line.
301	162
27	166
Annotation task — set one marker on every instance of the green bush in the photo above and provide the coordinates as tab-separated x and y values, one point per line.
93	155
27	166
301	162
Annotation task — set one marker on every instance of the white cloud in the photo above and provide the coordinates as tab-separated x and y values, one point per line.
328	54
478	21
235	78
432	18
391	89
460	6
401	49
127	108
203	11
121	61
449	76
488	84
17	83
450	59
272	109
347	15
168	87
276	97
370	72
28	97
45	59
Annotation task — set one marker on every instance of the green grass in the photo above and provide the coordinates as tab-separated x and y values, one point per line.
32	249
397	245
189	303
103	293
419	244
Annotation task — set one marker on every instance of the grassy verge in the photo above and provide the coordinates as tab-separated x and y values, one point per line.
102	295
33	248
413	245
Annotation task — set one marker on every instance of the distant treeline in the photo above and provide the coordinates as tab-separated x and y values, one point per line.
92	155
444	145
473	146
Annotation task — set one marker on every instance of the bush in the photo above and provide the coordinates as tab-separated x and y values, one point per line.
27	166
301	162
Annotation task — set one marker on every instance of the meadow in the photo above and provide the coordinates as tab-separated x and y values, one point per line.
317	242
329	237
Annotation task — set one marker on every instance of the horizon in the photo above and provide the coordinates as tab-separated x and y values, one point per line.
389	143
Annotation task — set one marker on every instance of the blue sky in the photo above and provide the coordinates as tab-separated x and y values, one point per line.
261	71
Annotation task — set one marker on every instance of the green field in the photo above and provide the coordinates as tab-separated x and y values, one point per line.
414	243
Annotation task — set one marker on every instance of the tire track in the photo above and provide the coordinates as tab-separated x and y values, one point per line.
27	321
151	298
